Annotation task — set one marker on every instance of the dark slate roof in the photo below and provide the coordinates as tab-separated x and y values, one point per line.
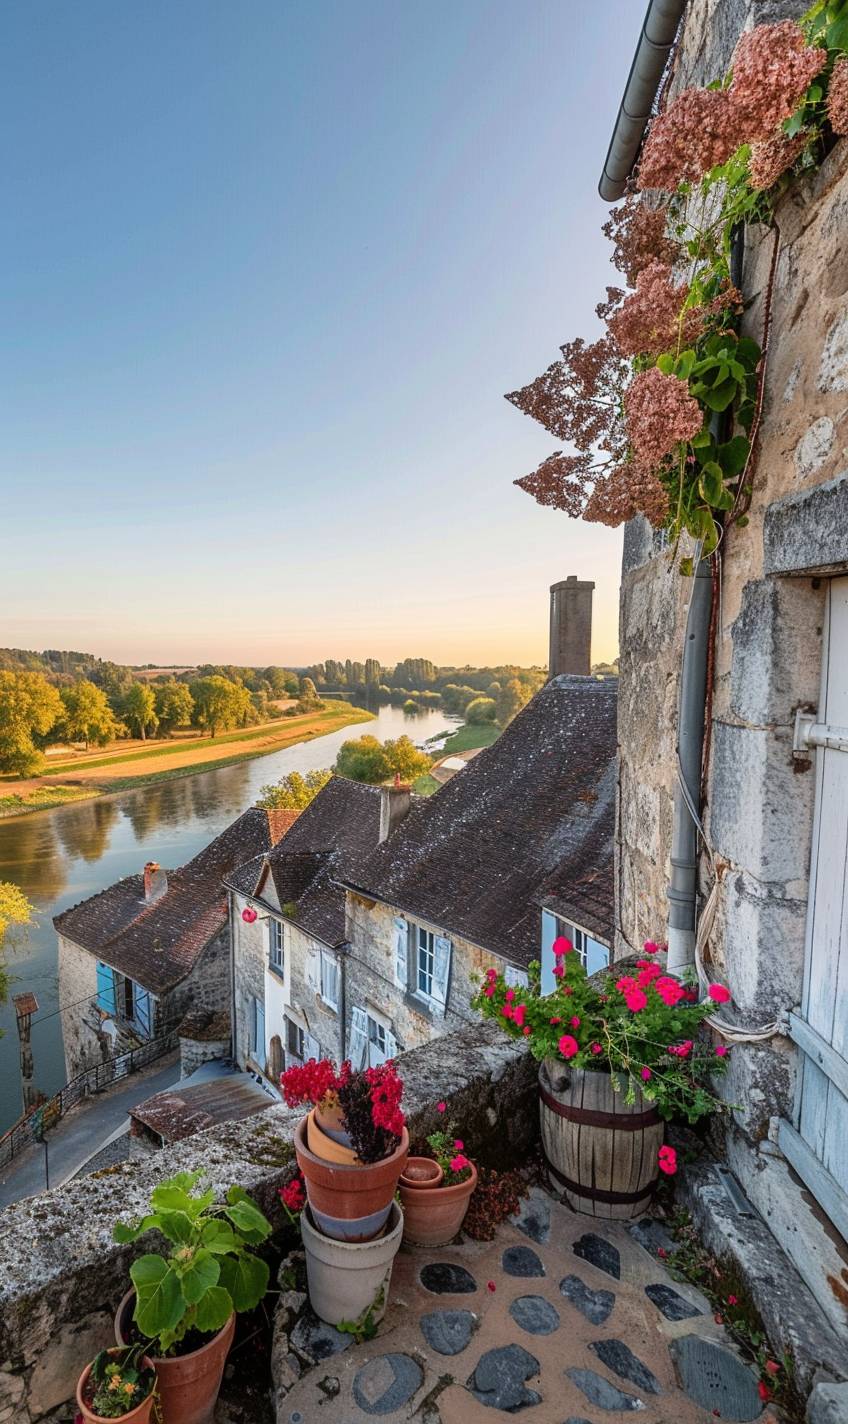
331	841
530	821
157	944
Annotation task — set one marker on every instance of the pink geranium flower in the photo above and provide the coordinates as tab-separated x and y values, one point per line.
718	993
459	1163
575	1022
636	1000
441	1107
458	1144
556	1021
669	991
491	975
568	1046
562	946
721	1050
667	1158
558	970
646	1074
489	990
596	1048
509	995
681	1050
650	947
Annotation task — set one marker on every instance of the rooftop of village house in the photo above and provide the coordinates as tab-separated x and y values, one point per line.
156	940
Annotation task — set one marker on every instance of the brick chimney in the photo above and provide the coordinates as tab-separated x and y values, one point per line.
155	881
395	801
571	627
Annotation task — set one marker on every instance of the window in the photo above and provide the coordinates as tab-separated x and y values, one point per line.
127	999
330	980
276	953
295	1039
425	959
371	1039
515	978
257	1031
428	961
593	954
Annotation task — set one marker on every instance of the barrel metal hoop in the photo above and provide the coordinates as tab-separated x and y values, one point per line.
622	1122
599	1194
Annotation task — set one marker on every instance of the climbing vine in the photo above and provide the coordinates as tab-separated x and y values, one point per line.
663	411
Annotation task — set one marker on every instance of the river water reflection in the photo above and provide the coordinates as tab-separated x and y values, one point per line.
59	857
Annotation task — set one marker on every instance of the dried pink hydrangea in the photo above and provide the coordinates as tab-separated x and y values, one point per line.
837	96
560	482
772	69
772	157
639	237
629	489
699	129
660	413
648	321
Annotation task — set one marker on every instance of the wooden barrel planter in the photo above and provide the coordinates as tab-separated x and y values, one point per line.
600	1151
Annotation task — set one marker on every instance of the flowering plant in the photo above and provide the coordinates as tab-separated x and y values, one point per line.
118	1382
642	1027
449	1152
293	1198
639	407
369	1100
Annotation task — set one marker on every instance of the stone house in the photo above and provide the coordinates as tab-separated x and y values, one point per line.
775	804
288	936
505	856
136	958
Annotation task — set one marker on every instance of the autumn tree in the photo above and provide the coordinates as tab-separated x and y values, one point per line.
15	912
293	792
308	700
510	700
367	759
220	704
30	707
174	705
139	709
480	709
87	716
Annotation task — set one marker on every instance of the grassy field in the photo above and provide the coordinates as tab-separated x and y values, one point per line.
100	774
469	735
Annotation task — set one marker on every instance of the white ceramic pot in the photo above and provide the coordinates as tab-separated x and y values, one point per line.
346	1277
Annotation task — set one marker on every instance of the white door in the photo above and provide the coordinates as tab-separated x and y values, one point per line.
817	1146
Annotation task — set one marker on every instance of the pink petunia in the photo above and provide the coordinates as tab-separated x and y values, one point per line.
646	1074
667	1158
562	946
568	1046
718	993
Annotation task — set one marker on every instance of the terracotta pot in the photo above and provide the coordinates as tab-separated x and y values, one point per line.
434	1215
600	1150
325	1146
139	1415
330	1119
188	1384
346	1277
421	1172
350	1201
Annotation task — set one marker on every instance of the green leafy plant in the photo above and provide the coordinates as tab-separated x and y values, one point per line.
210	1269
366	1325
449	1152
118	1382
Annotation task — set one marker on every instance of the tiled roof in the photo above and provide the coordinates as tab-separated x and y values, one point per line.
531	818
157	944
332	840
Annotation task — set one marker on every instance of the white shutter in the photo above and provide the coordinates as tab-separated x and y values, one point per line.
441	972
391	1044
311	1047
330	980
358	1038
549	934
515	978
313	968
401	935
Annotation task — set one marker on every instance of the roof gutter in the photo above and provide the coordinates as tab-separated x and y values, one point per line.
655	41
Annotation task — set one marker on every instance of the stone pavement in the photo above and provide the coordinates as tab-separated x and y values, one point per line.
571	1319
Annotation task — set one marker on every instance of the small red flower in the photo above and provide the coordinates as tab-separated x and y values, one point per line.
732	1300
772	1367
596	1048
575	1022
763	1391
293	1194
458	1144
722	1050
527	1030
562	946
662	1253
441	1107
667	1158
718	993
490	1286
248	915
650	947
556	1021
568	1046
646	1074
719	1319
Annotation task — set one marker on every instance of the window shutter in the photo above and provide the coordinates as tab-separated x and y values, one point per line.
549	934
142	1011
313	969
391	1044
330	980
401	933
515	978
597	956
105	988
311	1047
441	972
358	1038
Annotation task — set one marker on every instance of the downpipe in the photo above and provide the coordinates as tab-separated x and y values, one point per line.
682	888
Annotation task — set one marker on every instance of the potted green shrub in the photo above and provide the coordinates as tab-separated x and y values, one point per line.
118	1384
184	1299
434	1203
617	1055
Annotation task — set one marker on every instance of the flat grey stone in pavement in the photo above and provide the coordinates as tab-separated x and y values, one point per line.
317	1341
535	1314
599	1253
534	1216
715	1379
448	1331
522	1261
386	1383
670	1304
594	1304
599	1391
498	1380
619	1358
651	1235
828	1404
444	1278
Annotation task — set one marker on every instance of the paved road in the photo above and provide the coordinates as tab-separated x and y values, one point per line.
80	1134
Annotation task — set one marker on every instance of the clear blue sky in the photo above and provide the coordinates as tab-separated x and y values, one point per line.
267	270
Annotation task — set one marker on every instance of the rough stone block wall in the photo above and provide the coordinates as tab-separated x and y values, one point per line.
249	949
208	984
80	1021
61	1275
194	1053
322	1022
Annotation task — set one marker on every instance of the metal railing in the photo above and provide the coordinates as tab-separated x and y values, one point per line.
33	1125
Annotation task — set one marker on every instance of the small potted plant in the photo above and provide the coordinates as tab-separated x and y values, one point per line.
184	1299
434	1210
617	1056
118	1384
351	1147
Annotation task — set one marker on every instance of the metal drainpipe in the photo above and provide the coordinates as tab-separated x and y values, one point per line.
655	41
343	952
683	888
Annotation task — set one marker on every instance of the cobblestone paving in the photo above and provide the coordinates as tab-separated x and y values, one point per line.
563	1319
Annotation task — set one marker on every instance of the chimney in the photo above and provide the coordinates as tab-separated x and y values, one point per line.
155	881
395	801
571	627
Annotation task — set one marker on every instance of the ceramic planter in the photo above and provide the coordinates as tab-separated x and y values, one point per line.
434	1215
328	1145
139	1415
419	1173
330	1119
350	1201
600	1151
345	1278
188	1384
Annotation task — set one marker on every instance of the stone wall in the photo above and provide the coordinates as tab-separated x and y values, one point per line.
61	1275
250	952
206	987
81	1032
768	650
303	967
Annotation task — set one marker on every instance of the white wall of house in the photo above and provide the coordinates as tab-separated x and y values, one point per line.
81	1020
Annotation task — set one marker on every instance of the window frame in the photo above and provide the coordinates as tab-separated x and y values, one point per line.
429	950
299	1052
276	945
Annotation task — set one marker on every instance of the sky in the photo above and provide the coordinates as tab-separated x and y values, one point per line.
266	271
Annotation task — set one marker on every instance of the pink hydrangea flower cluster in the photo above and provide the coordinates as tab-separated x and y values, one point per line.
700	129
631	488
660	412
772	69
652	319
771	157
837	96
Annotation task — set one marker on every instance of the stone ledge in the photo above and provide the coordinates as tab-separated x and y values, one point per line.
807	533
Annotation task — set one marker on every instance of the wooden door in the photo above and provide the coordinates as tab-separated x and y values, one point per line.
817	1145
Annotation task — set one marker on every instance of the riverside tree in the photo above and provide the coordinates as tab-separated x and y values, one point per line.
220	704
367	759
174	705
293	792
15	913
510	700
480	709
140	710
88	716
29	710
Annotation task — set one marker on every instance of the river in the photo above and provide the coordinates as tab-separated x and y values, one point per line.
62	856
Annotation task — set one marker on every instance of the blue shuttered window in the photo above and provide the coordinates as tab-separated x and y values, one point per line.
105	988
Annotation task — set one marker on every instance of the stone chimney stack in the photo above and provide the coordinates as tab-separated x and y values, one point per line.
571	627
155	881
395	802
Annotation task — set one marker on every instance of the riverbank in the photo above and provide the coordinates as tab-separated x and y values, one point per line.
84	778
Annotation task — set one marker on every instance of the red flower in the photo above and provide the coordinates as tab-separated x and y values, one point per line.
722	1050
719	1319
662	1253
575	1022
248	915
556	1020
732	1300
646	1074
527	1030
459	1163
441	1107
518	1015
681	1050
636	1000
772	1367
458	1144
562	946
490	1286
293	1194
718	993
558	970
669	991
568	1046
763	1391
491	975
667	1158
596	1048
650	947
